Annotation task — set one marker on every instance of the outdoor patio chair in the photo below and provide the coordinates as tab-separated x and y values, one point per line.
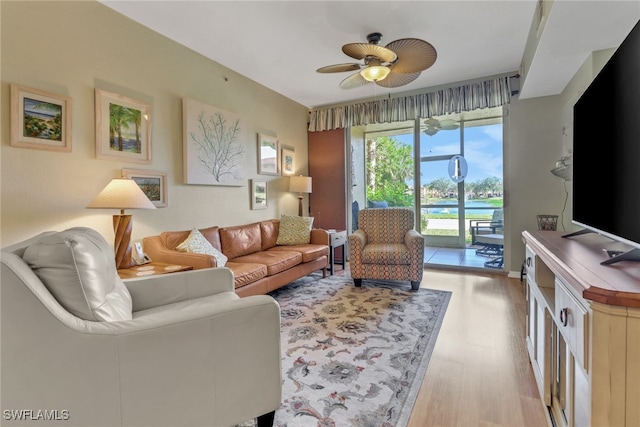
494	226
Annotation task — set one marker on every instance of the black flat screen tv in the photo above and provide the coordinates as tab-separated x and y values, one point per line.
606	151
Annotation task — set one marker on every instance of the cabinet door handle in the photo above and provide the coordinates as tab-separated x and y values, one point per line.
564	316
528	261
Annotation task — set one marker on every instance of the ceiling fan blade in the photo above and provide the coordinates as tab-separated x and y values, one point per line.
414	55
397	79
339	68
353	81
449	124
362	50
431	122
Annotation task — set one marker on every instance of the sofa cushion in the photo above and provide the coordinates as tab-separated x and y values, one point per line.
245	273
240	240
386	254
309	252
275	261
269	231
197	243
294	230
78	267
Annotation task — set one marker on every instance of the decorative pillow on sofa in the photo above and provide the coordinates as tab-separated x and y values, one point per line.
198	244
294	230
79	269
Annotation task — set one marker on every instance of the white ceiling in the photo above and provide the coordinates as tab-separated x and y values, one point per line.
280	44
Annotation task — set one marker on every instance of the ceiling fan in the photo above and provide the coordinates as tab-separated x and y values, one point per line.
433	125
397	64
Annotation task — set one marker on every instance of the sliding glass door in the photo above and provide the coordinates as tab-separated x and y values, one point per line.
449	169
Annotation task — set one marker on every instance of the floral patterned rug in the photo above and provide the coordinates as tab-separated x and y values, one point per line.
354	356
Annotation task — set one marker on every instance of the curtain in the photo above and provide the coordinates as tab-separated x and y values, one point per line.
467	97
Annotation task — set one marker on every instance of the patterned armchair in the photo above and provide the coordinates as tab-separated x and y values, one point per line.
386	246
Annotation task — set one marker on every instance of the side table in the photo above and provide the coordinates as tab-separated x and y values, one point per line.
337	239
151	269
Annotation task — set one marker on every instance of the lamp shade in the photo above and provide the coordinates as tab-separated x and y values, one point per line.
300	184
374	73
121	193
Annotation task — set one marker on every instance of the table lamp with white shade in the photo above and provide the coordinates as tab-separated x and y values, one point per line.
122	193
300	184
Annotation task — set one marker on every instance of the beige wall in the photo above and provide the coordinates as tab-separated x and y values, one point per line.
91	46
539	132
71	48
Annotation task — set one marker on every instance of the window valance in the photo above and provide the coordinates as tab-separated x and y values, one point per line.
485	94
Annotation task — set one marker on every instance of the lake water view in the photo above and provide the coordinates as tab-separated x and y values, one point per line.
472	207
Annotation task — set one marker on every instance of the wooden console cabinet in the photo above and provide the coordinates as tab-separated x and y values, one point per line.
583	330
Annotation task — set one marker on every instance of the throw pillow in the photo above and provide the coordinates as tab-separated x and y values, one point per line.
294	230
198	244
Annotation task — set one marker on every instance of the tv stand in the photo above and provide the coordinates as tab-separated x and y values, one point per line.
582	331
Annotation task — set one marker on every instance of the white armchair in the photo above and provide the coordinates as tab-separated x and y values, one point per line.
189	352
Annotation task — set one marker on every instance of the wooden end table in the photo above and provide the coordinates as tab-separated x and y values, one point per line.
337	239
151	269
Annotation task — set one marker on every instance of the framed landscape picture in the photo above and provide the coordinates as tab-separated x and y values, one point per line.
268	158
152	183
258	194
288	162
123	128
40	120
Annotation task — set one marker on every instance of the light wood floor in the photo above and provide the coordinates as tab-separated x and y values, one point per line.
479	373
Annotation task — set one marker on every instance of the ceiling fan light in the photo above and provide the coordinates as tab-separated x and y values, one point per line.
374	73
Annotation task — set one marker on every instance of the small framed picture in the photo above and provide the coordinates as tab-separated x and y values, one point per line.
152	183
268	158
40	120
288	162
123	128
258	194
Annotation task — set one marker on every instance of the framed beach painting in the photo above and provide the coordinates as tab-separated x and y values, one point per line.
268	156
258	194
213	145
288	162
152	183
39	119
123	128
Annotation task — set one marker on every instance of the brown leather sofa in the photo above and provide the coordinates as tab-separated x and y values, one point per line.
258	264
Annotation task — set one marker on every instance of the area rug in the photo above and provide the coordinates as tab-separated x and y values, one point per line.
354	356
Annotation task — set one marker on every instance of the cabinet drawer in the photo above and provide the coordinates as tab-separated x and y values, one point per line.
338	238
571	318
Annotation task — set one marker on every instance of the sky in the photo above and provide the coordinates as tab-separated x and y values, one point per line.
483	152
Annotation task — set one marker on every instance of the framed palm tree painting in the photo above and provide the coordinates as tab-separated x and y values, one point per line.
123	128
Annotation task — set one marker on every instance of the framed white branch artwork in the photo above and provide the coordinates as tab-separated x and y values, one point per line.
213	145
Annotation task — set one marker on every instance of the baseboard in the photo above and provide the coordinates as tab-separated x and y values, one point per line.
514	274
